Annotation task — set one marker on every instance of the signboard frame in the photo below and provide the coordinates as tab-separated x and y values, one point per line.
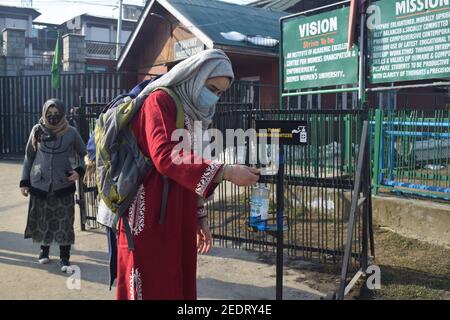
315	51
298	129
299	92
184	48
393	59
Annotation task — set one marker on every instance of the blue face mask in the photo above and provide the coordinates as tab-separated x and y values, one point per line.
207	98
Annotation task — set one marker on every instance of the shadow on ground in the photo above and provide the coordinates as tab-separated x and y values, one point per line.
17	251
222	290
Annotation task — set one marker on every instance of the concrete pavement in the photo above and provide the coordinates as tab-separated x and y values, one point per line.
223	274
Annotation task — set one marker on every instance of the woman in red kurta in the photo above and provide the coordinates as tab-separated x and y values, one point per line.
163	263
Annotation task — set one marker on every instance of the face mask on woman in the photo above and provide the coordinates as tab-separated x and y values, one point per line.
54	119
207	98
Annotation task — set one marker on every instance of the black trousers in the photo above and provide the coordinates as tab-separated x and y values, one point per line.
64	251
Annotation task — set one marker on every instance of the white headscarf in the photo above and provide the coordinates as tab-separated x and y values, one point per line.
188	78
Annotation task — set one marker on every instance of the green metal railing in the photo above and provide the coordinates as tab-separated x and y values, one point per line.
412	152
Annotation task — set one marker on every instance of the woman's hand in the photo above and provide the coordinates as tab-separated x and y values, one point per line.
25	191
74	176
241	175
204	237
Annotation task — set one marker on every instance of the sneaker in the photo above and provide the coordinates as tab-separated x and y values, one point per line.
65	266
43	257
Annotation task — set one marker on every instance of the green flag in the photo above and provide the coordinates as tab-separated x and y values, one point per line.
56	65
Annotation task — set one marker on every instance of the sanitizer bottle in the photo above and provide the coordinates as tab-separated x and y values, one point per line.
259	211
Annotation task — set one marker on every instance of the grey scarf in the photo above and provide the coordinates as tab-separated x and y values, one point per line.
188	78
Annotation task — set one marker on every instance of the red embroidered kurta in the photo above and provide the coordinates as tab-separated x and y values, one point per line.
164	262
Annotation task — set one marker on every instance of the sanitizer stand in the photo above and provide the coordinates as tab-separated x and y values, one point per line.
280	210
293	133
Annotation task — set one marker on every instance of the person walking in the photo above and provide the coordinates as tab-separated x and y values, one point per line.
48	177
164	260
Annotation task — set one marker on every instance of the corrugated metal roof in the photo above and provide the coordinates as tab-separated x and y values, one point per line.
206	19
213	17
275	4
286	5
290	5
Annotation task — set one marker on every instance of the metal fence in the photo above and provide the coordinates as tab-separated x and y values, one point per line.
319	179
102	50
22	97
85	117
412	152
318	185
242	93
39	63
254	93
324	194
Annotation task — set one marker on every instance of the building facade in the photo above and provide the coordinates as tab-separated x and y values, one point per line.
99	35
172	30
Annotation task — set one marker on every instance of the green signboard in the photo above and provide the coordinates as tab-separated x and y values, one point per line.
411	41
315	51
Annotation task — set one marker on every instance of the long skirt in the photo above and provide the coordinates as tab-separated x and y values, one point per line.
50	221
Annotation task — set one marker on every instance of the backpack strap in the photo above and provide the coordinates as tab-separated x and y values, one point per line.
178	103
127	228
164	198
179	125
121	211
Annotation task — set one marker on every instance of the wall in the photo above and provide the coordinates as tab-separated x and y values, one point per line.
423	220
14	50
266	68
15	22
2	65
74	53
19	21
159	52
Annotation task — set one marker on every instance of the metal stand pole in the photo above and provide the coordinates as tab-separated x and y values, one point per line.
355	202
362	62
280	209
80	118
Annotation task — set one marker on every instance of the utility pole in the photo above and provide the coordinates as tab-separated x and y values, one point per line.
119	29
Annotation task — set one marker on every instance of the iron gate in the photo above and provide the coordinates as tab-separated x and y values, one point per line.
85	116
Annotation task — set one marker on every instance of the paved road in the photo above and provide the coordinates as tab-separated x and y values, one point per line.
223	274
